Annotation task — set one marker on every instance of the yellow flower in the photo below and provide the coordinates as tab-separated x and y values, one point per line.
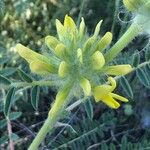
78	59
69	28
118	69
104	93
38	63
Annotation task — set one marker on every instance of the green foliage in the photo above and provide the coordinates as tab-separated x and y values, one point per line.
24	76
4	80
143	76
88	108
2	5
35	96
14	115
3	139
87	132
136	59
126	87
147	54
9	101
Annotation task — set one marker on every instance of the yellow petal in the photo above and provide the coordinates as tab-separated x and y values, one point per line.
63	69
88	44
30	55
109	101
101	91
118	69
113	82
27	53
79	55
60	50
60	30
118	97
82	27
104	42
42	68
97	29
97	60
86	86
51	42
69	24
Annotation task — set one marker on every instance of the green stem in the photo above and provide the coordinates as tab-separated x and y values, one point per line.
39	83
54	115
47	127
127	37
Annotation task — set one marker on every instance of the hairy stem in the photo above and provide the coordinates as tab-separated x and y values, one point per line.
54	115
39	83
9	128
127	37
47	127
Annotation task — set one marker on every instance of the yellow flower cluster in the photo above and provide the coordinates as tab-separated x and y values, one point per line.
79	60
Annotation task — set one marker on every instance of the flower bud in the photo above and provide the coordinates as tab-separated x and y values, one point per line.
97	60
104	41
51	42
79	55
69	24
63	69
42	68
86	86
60	50
82	27
97	28
118	70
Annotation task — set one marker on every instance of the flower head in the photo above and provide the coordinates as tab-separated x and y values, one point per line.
77	59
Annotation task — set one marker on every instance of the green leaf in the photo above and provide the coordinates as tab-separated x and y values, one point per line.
65	114
88	108
8	101
14	137
4	80
142	77
112	146
24	76
35	97
3	139
136	59
7	71
124	143
3	123
1	106
130	146
104	146
4	60
147	70
126	87
14	115
147	54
